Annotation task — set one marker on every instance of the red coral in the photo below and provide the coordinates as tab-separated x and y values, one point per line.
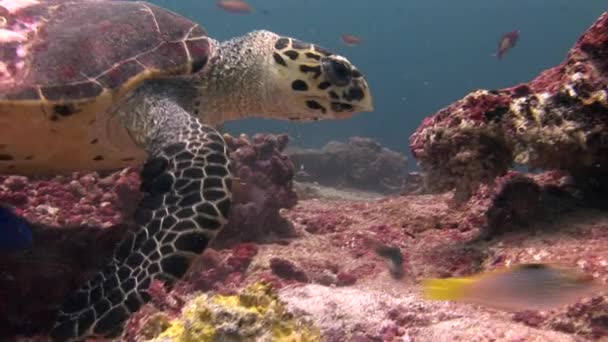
241	257
325	223
136	322
221	271
165	300
264	186
346	279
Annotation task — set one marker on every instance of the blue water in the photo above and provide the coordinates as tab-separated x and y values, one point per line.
418	56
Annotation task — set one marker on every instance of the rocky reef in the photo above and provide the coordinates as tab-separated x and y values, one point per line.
358	163
316	269
328	283
331	276
557	121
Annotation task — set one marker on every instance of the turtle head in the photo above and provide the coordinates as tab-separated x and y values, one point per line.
306	82
263	74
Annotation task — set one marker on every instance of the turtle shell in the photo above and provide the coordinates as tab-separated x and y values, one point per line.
63	63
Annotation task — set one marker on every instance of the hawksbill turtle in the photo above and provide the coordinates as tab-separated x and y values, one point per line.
102	85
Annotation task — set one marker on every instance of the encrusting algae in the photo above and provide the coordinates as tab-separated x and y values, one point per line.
255	314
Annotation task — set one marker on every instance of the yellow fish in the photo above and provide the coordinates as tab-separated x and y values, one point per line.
522	287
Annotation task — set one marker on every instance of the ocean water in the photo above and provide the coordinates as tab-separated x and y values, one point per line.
418	55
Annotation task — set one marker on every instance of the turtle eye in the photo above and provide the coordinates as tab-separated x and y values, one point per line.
338	72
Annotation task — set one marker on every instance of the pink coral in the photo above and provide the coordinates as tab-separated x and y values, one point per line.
262	188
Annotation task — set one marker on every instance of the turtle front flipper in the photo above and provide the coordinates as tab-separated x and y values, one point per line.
187	186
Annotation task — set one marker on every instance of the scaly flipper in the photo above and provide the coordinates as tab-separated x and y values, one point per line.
187	186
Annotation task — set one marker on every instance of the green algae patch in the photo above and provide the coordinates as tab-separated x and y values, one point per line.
256	314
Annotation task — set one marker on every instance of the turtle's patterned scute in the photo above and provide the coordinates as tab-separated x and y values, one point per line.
94	52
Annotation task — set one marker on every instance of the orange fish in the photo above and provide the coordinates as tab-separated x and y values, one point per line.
350	40
235	6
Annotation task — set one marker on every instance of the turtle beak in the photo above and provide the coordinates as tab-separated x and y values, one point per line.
367	104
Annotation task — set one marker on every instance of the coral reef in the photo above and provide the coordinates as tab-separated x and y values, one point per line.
332	274
358	163
79	218
557	121
331	261
254	314
264	186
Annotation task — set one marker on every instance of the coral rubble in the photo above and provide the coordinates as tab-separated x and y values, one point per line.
557	121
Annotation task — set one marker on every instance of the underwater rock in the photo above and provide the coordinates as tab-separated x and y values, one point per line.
349	314
557	121
516	201
515	204
264	186
287	270
255	313
78	219
413	184
358	163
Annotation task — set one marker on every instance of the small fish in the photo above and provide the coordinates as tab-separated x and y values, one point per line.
394	258
350	40
522	287
506	42
235	6
392	255
15	232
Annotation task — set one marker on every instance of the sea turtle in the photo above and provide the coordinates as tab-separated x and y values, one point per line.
101	85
